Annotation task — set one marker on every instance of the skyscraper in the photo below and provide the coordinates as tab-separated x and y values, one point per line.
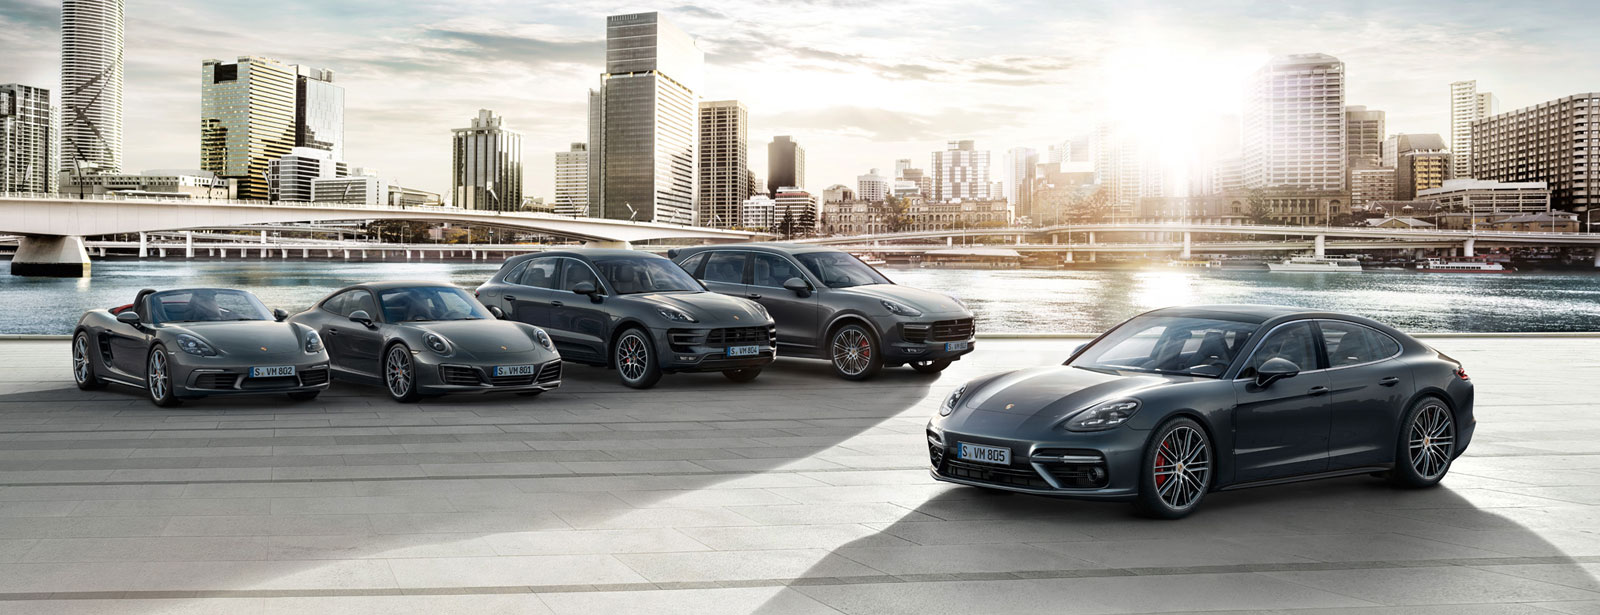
786	164
318	111
1021	165
486	165
91	85
1364	132
644	122
1467	105
960	172
724	162
247	119
1294	124
28	151
1421	162
572	181
1547	142
873	187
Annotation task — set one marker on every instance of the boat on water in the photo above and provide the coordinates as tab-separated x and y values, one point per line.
1200	263
1462	265
1317	264
871	260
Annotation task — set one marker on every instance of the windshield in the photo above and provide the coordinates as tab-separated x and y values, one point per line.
1169	345
840	270
206	305
425	303
632	275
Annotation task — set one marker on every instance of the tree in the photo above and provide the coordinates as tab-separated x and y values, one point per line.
786	227
891	212
1260	210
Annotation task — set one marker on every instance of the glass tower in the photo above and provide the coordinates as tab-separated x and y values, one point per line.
247	120
486	165
319	111
27	140
91	85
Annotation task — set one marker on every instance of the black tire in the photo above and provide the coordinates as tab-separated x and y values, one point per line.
930	367
854	352
83	363
742	375
1182	452
1426	445
158	378
635	359
399	372
304	395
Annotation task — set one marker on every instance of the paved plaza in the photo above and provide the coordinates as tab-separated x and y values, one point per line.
797	493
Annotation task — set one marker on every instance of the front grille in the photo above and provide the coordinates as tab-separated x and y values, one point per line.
1011	476
682	339
455	375
915	333
738	336
551	372
215	381
313	377
275	382
952	330
512	381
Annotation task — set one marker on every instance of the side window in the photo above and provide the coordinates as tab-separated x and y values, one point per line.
1353	344
726	267
515	273
539	273
360	300
335	304
574	272
772	270
693	263
1387	346
1293	342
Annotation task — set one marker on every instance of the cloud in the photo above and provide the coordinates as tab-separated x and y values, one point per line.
30	14
530	51
880	124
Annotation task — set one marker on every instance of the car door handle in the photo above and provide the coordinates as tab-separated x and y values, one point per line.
556	304
1317	391
752	296
332	331
1389	382
510	298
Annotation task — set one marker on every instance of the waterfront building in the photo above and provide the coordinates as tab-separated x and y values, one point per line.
28	140
318	111
929	215
91	86
724	162
1542	222
401	196
1549	142
368	190
795	212
837	193
289	177
1420	162
1227	176
644	122
1021	166
1369	185
873	187
1281	206
786	163
1294	125
1364	132
486	165
1467	105
961	172
572	181
247	119
757	212
1489	198
165	183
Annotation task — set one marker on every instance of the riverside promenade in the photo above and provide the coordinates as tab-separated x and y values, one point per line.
797	493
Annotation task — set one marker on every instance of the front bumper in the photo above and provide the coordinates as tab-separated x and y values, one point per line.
706	350
1095	465
209	380
929	338
463	377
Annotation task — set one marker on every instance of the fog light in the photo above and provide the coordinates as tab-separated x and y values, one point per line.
1097	474
914	350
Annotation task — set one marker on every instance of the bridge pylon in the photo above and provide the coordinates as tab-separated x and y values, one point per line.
51	256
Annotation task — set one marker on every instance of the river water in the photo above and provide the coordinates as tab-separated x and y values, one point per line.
1035	301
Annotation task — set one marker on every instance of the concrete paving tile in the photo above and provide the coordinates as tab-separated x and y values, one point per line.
512	570
935	532
172	506
1403	586
702	497
655	517
829	536
268	525
807	514
742	565
593	542
1579	576
150	549
359	505
938	559
1362	547
481	522
1173	552
766	600
340	547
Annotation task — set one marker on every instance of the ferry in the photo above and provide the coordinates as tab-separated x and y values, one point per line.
1318	264
871	259
1204	264
1462	265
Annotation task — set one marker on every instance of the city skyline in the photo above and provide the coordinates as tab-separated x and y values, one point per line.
908	81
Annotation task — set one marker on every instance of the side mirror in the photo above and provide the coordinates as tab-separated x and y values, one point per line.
362	317
799	286
1078	349
497	312
1275	369
279	314
128	317
587	288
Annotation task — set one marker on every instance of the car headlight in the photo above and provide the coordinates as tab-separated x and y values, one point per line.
899	309
543	339
953	400
674	314
195	346
959	301
313	342
436	343
1104	415
762	309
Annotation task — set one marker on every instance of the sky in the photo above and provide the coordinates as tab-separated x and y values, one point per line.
858	83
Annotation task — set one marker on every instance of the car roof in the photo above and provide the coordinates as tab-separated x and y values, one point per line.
770	246
381	286
590	253
1250	313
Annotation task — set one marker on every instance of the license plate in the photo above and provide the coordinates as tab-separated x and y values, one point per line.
271	372
983	454
513	370
949	346
743	351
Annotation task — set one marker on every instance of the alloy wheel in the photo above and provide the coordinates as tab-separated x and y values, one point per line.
852	351
1182	467
1431	441
633	357
397	372
159	381
80	358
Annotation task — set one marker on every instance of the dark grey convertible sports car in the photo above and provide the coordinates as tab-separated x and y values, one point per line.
196	342
1178	402
425	338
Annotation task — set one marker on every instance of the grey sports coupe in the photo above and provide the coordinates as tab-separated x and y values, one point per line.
197	342
1178	402
426	338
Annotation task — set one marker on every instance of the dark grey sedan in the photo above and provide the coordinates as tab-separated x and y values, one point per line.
1178	402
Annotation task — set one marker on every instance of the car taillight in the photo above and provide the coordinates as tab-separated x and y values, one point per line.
1461	372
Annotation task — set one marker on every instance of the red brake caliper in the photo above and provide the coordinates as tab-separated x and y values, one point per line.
1161	460
866	349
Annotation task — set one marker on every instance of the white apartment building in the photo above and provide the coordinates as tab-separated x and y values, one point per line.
1294	124
873	186
572	181
1467	105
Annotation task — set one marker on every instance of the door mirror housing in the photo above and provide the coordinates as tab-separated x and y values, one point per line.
798	286
587	289
1275	369
279	314
361	317
497	312
128	317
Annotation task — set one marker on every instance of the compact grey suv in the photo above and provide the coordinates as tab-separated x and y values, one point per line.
830	305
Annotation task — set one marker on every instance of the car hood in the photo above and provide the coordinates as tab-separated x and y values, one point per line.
1054	393
248	337
925	301
710	308
486	336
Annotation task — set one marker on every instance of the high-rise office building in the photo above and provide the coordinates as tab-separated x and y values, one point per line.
1294	124
1364	132
28	150
572	181
960	172
91	85
318	111
1550	142
1467	105
486	165
796	212
1421	162
873	187
724	162
247	119
786	164
289	178
1021	167
644	122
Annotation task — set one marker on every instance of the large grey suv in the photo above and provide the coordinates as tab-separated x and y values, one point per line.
830	305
